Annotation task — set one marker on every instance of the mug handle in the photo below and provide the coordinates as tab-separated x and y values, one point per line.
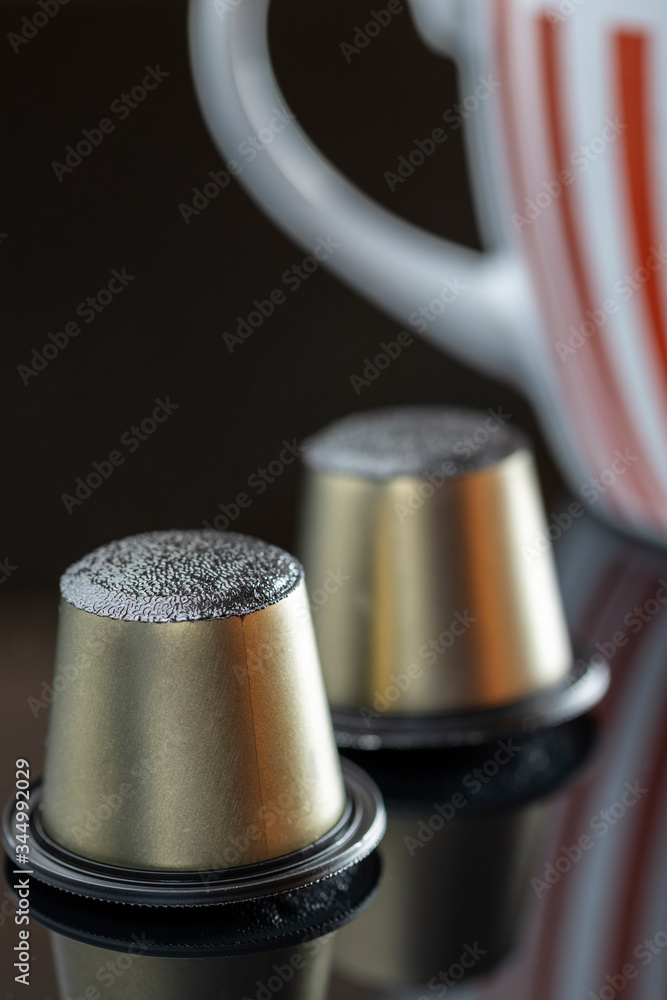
396	265
439	24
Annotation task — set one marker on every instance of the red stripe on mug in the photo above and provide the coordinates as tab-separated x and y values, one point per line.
632	57
616	419
506	61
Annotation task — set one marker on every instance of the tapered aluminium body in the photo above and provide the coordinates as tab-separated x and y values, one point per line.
431	521
190	729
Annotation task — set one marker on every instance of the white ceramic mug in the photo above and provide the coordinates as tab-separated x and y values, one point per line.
568	146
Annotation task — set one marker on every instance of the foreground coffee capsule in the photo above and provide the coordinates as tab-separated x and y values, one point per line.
190	755
436	604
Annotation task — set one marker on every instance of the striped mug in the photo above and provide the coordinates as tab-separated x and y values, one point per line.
566	126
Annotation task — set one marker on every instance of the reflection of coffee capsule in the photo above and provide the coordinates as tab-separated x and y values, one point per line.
436	606
191	758
297	973
463	830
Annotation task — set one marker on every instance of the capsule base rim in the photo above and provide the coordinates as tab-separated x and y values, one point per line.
584	686
355	836
248	927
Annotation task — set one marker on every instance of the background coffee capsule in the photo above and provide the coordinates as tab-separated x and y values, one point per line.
422	534
190	755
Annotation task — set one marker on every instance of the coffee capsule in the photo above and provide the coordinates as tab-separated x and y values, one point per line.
190	758
435	600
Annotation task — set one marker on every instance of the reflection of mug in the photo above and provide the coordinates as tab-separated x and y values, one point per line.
569	300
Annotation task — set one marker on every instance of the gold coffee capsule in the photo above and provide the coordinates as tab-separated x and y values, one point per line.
418	535
190	730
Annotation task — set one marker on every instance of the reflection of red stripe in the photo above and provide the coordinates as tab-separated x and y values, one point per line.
655	850
632	51
636	876
579	805
612	399
607	604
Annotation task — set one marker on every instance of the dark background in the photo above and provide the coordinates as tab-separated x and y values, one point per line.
163	335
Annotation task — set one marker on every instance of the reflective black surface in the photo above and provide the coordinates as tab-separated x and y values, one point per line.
552	924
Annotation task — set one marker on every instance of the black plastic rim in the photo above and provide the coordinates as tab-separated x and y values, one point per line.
356	835
542	763
585	685
248	927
